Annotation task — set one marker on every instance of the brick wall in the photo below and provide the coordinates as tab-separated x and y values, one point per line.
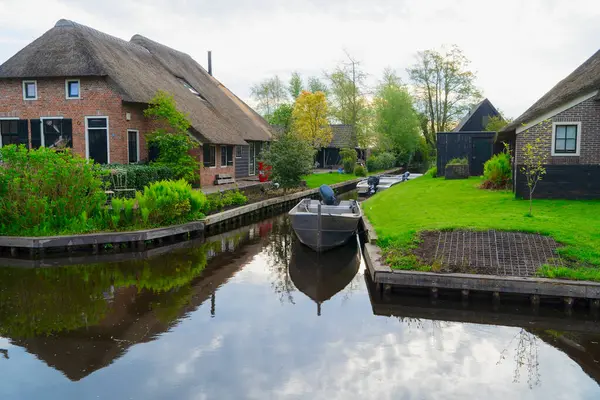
588	113
208	174
97	98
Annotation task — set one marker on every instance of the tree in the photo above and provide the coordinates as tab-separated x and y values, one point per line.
349	159
496	123
534	158
290	157
295	86
349	106
444	87
173	141
268	94
316	85
310	119
396	121
282	116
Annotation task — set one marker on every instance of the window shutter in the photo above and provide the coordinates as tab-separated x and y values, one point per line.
36	134
23	132
67	132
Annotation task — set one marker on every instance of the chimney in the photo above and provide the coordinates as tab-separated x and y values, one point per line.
210	63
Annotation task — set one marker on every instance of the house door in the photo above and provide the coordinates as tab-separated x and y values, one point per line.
481	151
97	139
251	159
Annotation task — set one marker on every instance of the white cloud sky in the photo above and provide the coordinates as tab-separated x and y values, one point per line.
520	49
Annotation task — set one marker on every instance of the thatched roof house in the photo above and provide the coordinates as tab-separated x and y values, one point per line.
137	70
566	120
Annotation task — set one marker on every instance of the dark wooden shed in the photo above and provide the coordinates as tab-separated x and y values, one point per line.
477	147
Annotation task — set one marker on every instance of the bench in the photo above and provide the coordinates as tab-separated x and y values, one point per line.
223	179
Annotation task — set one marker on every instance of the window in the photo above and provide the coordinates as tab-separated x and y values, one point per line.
565	139
9	132
72	87
133	145
238	151
209	155
226	156
191	88
96	139
30	90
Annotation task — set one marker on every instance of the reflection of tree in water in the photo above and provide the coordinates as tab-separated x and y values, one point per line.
279	252
35	302
4	352
526	355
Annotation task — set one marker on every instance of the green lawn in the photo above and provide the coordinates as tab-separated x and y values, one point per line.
316	180
398	214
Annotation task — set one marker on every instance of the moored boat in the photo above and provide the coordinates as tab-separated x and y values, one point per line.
382	182
325	226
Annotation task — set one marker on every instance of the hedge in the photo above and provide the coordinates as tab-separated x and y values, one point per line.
140	175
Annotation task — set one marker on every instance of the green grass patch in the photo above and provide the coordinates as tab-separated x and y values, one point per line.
401	212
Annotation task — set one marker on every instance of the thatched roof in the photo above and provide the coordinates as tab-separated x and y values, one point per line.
585	79
138	69
343	137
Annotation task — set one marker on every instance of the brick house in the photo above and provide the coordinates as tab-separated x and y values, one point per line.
567	120
81	88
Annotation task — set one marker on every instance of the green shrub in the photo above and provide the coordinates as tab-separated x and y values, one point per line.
173	152
218	201
458	161
431	172
381	161
44	191
497	172
349	158
170	202
359	170
140	175
289	158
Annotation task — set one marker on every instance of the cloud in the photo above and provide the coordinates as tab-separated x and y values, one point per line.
520	49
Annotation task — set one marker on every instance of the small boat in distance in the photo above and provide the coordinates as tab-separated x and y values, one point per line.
325	225
375	184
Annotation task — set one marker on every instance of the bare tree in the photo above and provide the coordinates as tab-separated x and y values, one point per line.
269	94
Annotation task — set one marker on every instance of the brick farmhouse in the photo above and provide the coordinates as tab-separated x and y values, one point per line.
567	120
75	86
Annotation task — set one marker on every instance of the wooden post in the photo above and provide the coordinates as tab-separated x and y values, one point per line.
319	227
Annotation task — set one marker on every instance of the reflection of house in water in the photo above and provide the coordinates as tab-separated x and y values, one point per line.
578	336
137	315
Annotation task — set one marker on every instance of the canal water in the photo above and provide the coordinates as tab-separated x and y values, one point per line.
251	314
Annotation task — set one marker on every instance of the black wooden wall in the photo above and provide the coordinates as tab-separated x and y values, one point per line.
458	145
241	164
563	182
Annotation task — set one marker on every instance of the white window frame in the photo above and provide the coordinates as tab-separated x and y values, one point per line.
137	144
577	145
224	148
87	141
42	119
24	85
67	81
6	119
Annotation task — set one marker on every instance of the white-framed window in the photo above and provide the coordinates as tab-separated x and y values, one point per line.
72	89
97	139
133	145
566	138
30	91
209	156
226	156
51	130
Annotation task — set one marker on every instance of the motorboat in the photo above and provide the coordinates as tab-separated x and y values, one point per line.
325	224
378	183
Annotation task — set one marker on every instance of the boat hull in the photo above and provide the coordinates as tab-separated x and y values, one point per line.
331	231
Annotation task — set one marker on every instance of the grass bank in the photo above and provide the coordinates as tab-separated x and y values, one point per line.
400	213
316	180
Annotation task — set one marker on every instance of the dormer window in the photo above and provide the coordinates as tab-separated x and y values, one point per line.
188	86
30	90
72	89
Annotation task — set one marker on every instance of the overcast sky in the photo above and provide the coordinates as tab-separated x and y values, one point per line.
519	49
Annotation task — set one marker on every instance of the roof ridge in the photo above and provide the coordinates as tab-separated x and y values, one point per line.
142	37
63	23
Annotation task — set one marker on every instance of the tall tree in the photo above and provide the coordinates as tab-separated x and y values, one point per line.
348	103
310	119
269	94
444	87
282	116
316	85
397	122
295	85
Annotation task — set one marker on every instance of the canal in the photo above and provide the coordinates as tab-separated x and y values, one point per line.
251	314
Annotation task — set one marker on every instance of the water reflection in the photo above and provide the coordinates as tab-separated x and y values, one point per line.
235	317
